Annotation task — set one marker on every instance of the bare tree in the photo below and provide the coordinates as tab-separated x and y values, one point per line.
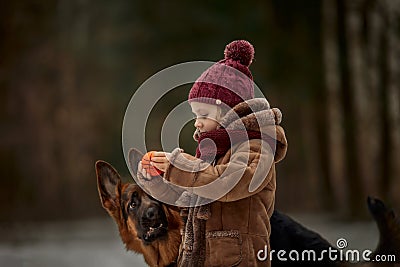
336	158
364	102
393	96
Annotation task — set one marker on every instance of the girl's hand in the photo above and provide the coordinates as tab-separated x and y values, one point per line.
160	160
142	171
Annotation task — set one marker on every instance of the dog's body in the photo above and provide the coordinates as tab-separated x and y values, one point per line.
151	228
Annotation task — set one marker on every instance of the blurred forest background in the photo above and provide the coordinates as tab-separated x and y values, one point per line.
68	69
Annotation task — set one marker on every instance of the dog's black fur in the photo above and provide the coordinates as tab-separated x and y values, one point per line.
151	223
288	235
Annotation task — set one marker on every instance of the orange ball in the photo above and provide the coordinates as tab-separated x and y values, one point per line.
153	171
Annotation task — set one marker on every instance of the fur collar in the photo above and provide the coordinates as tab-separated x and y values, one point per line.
252	114
249	115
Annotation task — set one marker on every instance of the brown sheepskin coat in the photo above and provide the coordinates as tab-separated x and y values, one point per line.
237	224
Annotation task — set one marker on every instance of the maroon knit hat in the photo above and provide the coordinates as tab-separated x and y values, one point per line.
228	81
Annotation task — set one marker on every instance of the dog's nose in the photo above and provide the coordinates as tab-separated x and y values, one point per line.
151	213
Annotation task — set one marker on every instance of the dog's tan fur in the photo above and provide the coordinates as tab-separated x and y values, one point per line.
163	250
160	252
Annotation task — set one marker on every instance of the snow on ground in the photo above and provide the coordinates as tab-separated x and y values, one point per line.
96	242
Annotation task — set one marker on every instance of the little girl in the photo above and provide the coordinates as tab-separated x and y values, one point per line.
239	142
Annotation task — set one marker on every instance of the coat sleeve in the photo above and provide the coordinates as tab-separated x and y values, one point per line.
228	181
160	189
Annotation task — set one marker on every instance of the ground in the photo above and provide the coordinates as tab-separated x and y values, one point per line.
95	242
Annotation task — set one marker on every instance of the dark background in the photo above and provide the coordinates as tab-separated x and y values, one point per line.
68	69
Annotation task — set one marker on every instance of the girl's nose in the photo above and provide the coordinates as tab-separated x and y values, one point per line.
197	124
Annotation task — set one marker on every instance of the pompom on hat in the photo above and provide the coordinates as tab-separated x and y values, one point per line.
228	81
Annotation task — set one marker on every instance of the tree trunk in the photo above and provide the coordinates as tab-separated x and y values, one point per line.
350	138
393	97
365	110
336	157
374	80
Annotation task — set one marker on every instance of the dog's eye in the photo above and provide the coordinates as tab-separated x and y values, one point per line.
132	206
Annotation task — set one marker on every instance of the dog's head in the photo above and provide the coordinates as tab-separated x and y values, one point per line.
136	213
146	213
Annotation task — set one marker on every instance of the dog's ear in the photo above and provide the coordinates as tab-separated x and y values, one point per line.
135	156
109	187
377	208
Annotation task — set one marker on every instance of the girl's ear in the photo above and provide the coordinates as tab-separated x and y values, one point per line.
220	114
222	110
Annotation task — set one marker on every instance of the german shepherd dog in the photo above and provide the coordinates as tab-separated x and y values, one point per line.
145	225
151	228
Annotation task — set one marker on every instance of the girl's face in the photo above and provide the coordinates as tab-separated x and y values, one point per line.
207	116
